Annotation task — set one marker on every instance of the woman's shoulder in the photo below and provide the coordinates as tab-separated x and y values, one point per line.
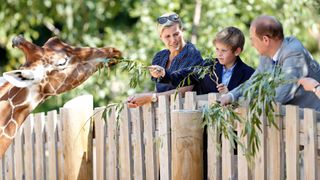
159	56
191	48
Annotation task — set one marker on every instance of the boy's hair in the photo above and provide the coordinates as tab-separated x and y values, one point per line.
169	23
231	36
268	26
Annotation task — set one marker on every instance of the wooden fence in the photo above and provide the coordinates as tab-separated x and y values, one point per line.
157	141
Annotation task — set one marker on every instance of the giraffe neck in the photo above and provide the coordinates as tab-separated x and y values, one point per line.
15	106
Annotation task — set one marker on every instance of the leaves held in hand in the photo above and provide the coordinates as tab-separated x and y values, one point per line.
260	94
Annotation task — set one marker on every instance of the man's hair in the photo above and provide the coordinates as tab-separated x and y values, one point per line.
169	23
268	26
230	36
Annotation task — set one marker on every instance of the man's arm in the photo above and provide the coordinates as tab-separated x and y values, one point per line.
294	67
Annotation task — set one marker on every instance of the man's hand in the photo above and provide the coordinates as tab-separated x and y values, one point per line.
226	99
139	100
308	83
156	71
223	89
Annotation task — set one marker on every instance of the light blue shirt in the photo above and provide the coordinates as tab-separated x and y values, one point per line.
226	74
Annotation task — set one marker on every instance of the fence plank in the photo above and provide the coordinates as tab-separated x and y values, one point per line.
150	145
310	152
213	156
275	147
18	154
29	147
76	115
125	146
2	166
9	159
40	161
292	142
260	169
244	171
190	102
164	137
100	132
187	145
138	150
112	147
228	168
60	146
52	141
176	101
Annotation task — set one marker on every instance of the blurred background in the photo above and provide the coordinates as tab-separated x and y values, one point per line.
130	25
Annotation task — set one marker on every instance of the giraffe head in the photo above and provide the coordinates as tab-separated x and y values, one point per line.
57	67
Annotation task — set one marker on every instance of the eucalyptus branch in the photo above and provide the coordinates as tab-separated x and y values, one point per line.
261	95
223	120
200	71
136	69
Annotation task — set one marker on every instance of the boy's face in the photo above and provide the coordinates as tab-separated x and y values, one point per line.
225	55
172	37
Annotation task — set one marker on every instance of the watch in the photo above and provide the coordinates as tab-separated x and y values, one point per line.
316	88
154	97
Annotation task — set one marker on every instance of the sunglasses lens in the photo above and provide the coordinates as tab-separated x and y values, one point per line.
173	17
162	20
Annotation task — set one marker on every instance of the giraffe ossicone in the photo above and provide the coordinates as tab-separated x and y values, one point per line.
52	69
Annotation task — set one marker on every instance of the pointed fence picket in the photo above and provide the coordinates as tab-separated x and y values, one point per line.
163	141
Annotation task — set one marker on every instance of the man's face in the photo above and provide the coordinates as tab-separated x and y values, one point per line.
257	43
172	37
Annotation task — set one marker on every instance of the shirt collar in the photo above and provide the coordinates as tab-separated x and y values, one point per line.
230	69
275	57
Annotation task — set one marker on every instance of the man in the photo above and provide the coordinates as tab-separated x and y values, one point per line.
266	35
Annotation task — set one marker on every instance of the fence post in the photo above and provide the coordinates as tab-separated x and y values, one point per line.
76	131
187	145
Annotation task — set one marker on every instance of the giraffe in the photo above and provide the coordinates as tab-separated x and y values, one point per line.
52	69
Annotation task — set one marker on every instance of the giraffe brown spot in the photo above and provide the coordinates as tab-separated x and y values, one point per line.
20	96
20	111
5	112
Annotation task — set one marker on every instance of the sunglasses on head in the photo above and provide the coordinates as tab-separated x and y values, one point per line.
164	19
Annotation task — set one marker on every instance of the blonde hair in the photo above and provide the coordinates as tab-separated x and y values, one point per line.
169	23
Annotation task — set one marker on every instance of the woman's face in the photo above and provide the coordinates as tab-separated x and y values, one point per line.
172	37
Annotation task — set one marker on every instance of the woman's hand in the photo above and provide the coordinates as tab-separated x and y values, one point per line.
139	100
223	89
156	71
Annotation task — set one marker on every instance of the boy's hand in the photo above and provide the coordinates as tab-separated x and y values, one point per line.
223	89
226	99
156	71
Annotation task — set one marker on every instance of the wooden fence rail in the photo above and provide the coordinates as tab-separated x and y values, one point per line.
158	141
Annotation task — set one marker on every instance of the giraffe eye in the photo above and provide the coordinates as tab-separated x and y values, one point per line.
63	62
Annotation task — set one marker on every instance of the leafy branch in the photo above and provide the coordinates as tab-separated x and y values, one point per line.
260	94
136	69
200	71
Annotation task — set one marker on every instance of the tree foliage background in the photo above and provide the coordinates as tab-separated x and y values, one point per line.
130	25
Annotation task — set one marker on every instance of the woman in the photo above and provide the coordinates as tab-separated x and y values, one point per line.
178	55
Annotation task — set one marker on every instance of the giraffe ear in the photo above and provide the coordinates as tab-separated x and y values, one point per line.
2	80
21	78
